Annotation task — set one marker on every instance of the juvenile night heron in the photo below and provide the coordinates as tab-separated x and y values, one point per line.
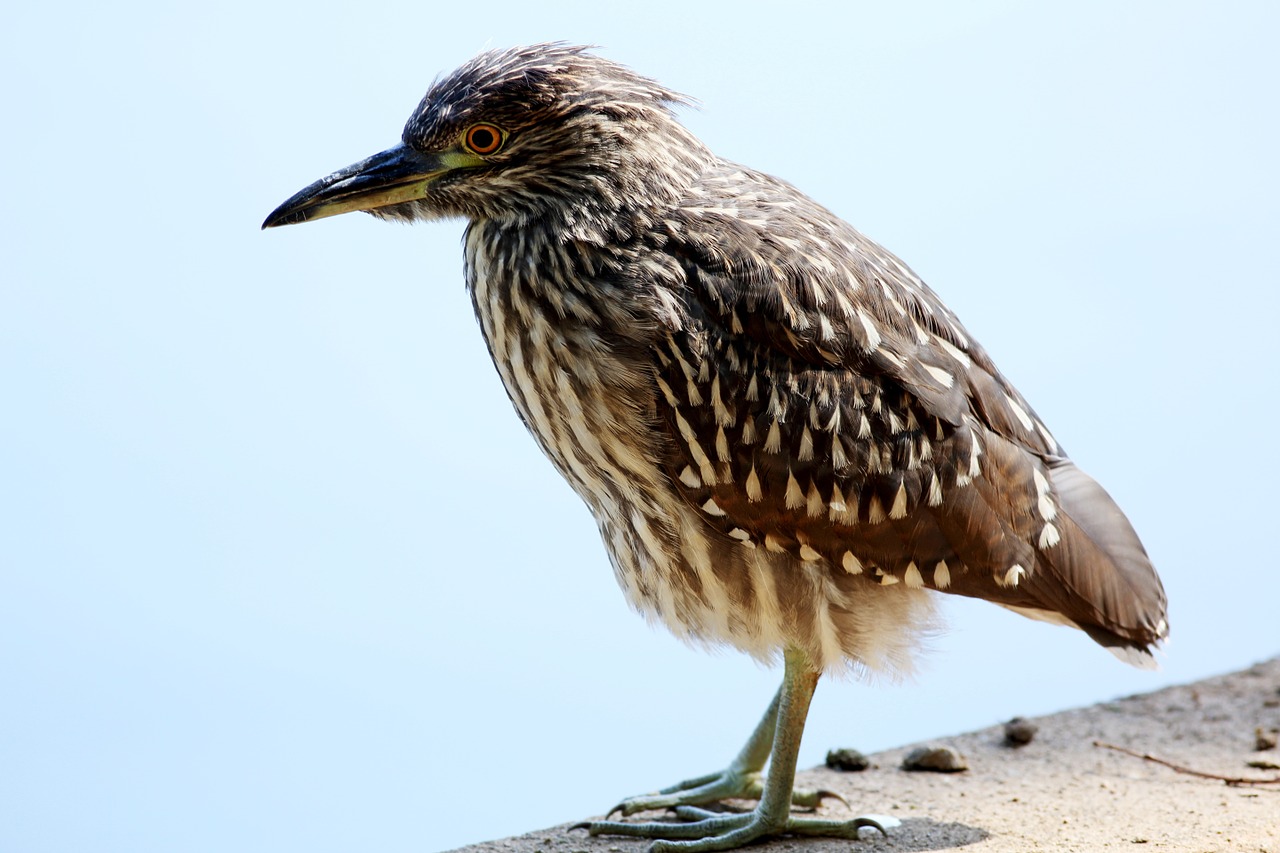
787	440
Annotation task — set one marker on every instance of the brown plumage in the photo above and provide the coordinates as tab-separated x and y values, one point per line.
785	437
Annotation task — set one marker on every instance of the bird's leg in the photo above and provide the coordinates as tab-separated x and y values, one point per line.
742	779
706	830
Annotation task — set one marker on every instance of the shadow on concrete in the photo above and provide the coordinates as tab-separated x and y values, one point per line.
913	834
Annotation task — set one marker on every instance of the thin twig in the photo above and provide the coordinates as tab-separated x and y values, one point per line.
1230	780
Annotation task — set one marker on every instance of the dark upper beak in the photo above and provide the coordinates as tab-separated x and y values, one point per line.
395	176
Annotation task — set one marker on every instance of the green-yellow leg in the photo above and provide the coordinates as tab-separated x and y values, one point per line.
743	779
776	738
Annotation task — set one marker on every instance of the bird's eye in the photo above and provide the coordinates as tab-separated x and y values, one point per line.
482	139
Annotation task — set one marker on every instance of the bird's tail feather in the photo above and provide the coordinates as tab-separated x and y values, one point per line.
1099	575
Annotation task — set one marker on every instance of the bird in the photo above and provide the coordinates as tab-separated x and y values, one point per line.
789	444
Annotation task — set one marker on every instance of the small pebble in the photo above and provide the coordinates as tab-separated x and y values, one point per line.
1019	732
1265	738
847	760
939	759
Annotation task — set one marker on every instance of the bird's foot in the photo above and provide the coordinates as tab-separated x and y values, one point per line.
731	784
699	830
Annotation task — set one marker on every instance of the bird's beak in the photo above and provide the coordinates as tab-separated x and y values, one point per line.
395	176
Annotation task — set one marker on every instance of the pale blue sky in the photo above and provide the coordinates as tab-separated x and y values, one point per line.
281	570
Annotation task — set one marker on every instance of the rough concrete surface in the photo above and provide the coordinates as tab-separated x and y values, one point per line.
1060	792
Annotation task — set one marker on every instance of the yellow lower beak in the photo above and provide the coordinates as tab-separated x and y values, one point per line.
394	176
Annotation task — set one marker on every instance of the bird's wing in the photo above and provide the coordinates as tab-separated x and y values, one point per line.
824	402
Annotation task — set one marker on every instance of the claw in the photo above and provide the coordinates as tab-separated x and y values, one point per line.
808	798
882	822
824	794
873	824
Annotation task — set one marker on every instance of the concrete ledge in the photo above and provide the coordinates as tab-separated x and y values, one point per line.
1060	792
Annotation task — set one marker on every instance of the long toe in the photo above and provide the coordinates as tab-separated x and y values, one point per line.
703	790
841	828
708	825
698	830
716	788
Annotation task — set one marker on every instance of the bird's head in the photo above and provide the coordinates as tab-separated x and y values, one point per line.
547	130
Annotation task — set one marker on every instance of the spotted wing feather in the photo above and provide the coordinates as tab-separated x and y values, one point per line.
824	403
